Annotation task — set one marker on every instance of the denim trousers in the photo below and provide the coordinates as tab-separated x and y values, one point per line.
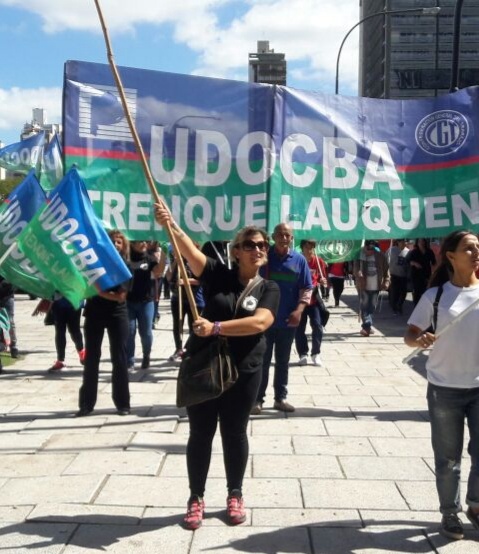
448	408
367	305
281	339
141	312
311	312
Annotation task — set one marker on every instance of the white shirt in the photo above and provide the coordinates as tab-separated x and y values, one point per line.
454	358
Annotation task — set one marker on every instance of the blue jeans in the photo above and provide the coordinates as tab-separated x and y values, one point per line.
316	331
448	407
281	338
367	304
143	313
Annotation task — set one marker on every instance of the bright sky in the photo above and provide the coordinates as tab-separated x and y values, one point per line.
202	37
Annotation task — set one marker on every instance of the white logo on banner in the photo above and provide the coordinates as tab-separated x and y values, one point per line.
442	133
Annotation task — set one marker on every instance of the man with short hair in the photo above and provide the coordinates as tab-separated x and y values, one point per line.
398	269
290	270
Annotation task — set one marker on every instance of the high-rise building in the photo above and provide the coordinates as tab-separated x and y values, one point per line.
39	123
267	66
410	55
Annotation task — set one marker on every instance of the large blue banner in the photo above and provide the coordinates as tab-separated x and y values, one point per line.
225	154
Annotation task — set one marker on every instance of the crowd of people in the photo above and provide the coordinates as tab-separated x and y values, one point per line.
262	300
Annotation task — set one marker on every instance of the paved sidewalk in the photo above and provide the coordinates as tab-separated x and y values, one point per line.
349	472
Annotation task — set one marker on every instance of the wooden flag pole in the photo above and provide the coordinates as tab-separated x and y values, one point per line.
144	162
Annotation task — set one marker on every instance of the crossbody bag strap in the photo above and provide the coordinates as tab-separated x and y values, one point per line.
249	287
435	306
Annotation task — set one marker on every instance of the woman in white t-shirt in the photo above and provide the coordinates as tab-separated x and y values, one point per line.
452	373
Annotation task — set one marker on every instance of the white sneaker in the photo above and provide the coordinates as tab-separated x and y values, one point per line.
303	360
317	360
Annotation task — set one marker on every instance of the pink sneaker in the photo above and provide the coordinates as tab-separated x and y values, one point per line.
235	512
57	366
194	513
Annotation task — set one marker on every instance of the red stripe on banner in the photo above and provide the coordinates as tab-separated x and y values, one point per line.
108	154
438	165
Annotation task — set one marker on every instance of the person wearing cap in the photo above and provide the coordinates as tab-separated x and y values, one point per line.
372	276
398	267
317	267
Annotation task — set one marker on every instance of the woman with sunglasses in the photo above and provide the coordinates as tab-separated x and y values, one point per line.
245	331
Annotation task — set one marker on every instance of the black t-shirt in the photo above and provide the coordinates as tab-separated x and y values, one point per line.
223	290
141	289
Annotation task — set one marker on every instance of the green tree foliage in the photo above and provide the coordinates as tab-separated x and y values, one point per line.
7	185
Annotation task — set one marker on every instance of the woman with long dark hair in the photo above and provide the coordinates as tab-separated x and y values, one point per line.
421	260
244	326
452	373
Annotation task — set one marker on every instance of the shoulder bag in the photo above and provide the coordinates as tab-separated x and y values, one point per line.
209	372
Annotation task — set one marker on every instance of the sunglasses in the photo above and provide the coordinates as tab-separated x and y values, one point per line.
250	245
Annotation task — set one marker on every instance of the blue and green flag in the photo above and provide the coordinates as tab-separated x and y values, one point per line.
16	211
24	155
67	242
51	170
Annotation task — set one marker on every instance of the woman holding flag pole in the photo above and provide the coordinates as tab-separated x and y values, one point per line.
451	308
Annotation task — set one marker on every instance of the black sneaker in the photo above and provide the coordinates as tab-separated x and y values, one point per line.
145	363
14	352
473	517
451	527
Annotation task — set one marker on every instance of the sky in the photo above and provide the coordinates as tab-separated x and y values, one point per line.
211	38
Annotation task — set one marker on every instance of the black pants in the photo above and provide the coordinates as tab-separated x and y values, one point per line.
338	286
397	293
66	317
116	325
178	321
232	409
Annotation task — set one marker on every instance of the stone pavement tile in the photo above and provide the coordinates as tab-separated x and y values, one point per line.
393	381
354	370
333	446
310	517
391	469
333	380
401	519
290	426
402	447
10	424
27	443
14	513
125	539
134	424
85	442
86	513
469	545
368	390
34	490
388	414
320	467
27	465
415	402
264	540
115	463
6	408
318	413
422	495
414	429
370	540
313	390
343	400
45	538
359	494
159	442
65	424
174	465
336	428
274	444
413	390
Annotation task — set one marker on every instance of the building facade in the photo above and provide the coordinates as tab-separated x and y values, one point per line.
39	123
267	66
409	55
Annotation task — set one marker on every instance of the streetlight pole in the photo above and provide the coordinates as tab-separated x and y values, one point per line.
418	11
456	42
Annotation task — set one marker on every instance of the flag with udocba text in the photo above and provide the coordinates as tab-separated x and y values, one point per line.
67	242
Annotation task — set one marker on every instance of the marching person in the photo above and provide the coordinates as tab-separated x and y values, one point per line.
452	373
247	344
290	271
107	311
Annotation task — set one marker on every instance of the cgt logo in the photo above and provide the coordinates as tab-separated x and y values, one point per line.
442	133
